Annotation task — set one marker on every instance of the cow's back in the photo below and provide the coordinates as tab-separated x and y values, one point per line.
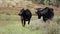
27	15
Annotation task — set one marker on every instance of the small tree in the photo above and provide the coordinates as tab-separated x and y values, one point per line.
46	2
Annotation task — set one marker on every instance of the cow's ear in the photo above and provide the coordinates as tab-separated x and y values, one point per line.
36	11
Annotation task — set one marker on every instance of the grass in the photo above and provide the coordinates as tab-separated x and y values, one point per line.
11	24
16	29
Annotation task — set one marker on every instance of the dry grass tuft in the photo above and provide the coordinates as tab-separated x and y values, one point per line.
50	27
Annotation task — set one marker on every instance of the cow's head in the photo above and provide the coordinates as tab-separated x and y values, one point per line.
21	11
38	12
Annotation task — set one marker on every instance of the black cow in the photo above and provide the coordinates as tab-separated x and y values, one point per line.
47	13
25	16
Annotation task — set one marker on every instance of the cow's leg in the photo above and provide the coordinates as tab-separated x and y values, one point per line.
44	18
29	22
22	20
24	23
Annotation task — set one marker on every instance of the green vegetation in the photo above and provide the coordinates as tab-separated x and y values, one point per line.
47	2
11	24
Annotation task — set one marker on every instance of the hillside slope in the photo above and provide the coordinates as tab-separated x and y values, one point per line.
13	7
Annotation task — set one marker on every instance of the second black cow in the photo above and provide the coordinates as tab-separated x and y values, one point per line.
47	13
25	16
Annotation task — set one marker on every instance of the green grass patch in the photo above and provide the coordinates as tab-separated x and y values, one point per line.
11	24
